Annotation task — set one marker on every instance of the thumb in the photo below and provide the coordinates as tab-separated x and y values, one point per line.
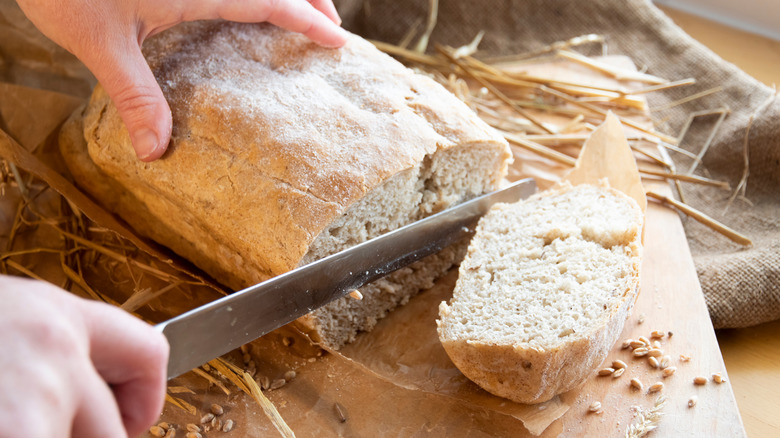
129	82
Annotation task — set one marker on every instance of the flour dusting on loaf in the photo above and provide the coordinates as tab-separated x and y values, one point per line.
284	152
544	291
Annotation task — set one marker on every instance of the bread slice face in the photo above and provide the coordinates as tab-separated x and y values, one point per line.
284	152
544	291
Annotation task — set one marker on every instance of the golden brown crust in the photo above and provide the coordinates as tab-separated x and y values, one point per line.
274	138
529	376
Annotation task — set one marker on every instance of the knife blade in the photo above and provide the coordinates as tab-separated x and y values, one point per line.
209	331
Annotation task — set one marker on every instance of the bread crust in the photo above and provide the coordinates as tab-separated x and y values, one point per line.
274	138
528	374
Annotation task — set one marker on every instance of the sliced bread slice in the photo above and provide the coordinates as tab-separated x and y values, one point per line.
544	291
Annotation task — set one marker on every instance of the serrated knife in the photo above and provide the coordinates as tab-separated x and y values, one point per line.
216	328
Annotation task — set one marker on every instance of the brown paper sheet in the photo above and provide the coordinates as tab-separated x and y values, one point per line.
29	115
606	154
394	381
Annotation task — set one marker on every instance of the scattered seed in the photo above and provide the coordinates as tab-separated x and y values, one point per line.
669	371
653	362
618	364
692	401
638	344
657	334
287	341
684	358
217	409
228	426
246	358
717	378
206	418
265	382
645	340
289	375
193	435
278	383
206	367
626	344
699	380
164	425
635	383
157	431
171	433
641	318
641	351
340	413
193	428
595	407
606	371
252	372
618	372
216	423
246	348
655	352
665	362
356	295
655	387
656	344
670	334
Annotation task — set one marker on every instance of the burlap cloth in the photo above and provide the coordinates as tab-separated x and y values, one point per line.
740	284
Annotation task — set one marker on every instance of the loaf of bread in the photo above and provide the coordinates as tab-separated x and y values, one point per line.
284	152
544	291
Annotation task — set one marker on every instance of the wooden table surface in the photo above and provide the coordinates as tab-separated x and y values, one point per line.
752	355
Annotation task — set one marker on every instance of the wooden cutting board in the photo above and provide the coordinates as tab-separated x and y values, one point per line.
670	300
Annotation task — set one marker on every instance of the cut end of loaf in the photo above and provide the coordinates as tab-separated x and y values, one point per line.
445	178
544	279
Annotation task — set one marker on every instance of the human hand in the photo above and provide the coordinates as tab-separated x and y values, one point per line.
106	36
72	367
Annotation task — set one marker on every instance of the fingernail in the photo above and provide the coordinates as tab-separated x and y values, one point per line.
145	143
342	36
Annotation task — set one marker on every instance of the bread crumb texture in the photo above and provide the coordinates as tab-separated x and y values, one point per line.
544	291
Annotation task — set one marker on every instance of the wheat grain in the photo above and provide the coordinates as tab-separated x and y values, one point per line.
656	334
618	364
606	372
655	387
